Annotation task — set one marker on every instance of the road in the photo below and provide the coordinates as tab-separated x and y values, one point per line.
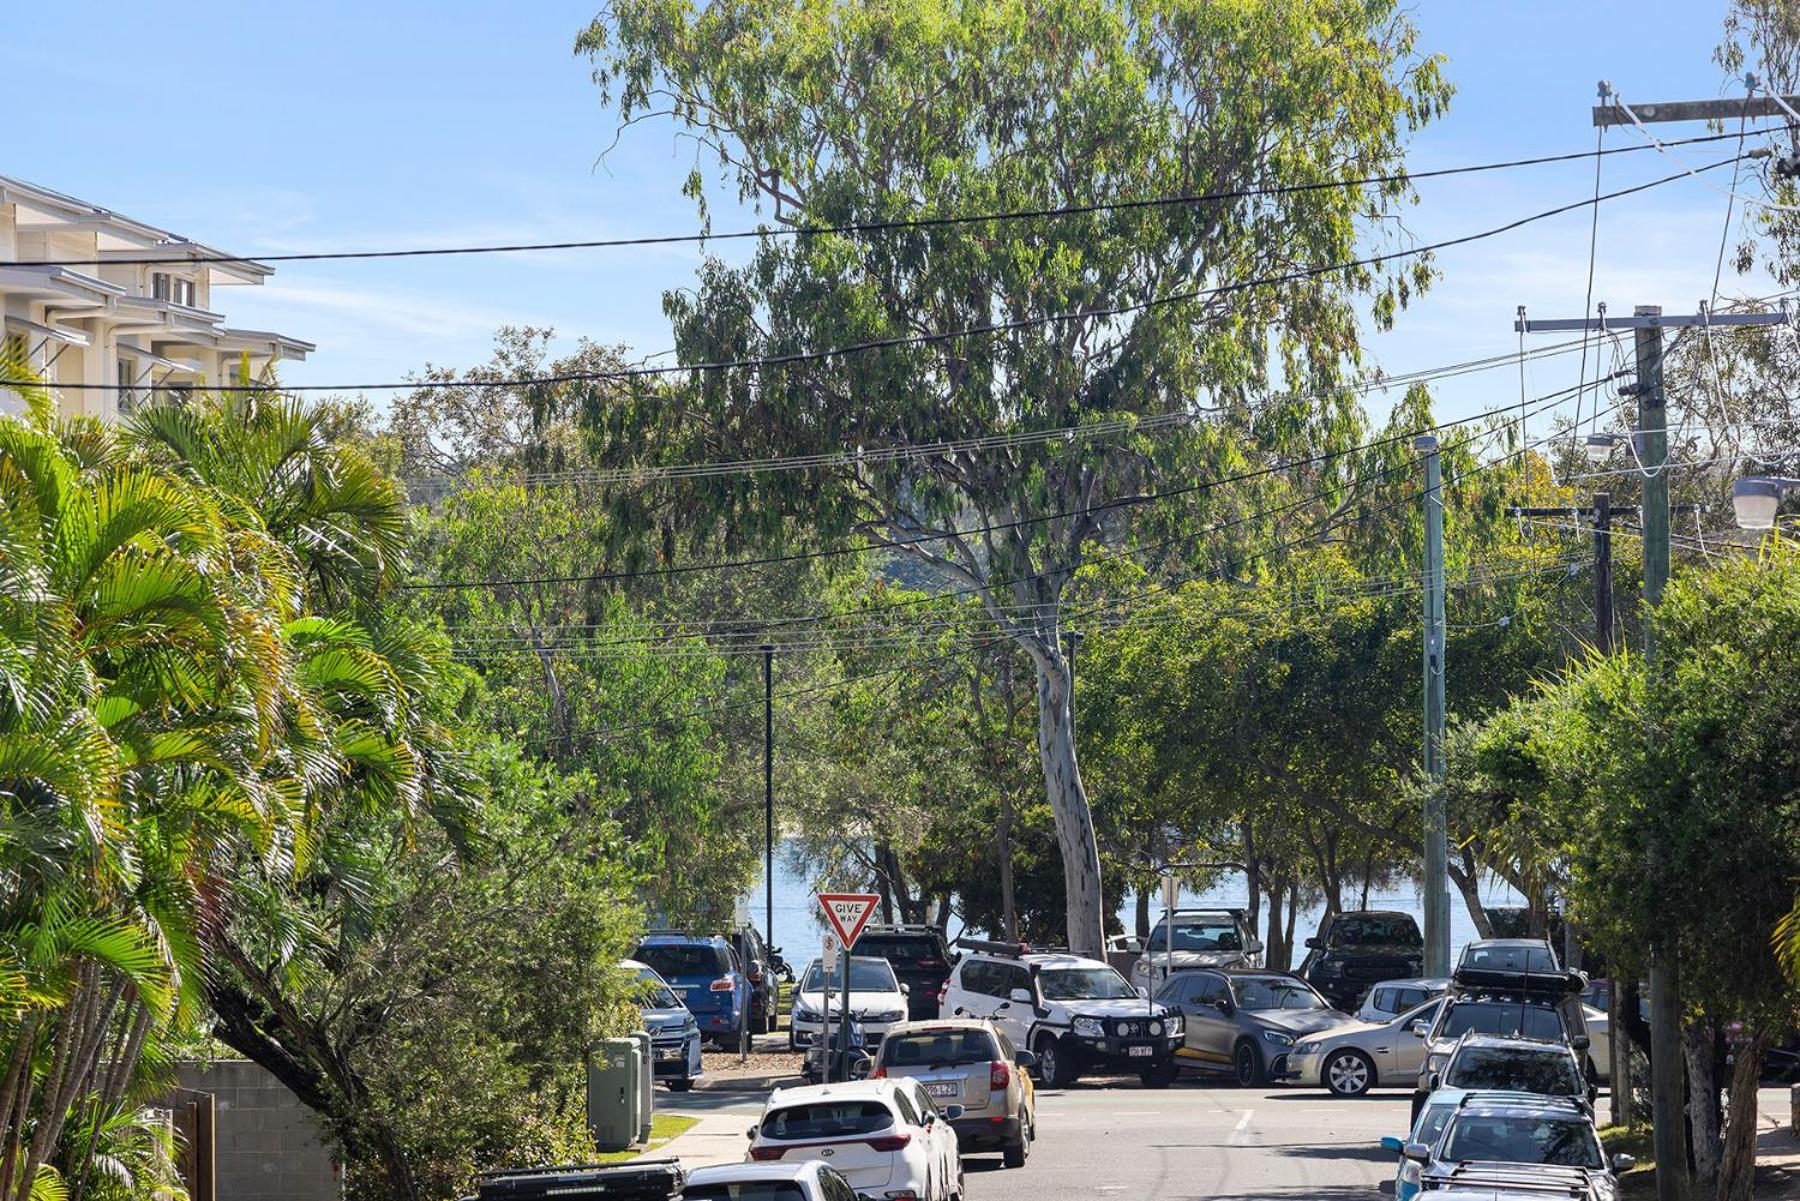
1117	1139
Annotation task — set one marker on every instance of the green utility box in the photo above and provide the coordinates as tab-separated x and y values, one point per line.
618	1116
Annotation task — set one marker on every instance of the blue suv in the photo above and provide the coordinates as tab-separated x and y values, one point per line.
704	972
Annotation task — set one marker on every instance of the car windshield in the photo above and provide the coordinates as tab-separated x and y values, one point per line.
1508	1019
827	1119
906	950
866	975
1516	1069
675	959
755	1190
1274	992
1376	930
1508	1138
1218	933
655	994
938	1048
1083	984
1527	958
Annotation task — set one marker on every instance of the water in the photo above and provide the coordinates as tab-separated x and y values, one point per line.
798	925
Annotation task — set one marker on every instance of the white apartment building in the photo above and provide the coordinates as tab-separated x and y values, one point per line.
89	297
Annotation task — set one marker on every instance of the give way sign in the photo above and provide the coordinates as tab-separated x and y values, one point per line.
848	913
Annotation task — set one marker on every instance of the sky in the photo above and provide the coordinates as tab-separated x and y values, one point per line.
264	129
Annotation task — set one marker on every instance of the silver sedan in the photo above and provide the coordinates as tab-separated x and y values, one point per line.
1351	1060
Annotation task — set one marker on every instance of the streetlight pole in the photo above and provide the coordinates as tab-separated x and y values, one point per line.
768	651
1437	851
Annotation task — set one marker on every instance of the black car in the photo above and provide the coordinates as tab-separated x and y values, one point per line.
920	958
762	968
1356	950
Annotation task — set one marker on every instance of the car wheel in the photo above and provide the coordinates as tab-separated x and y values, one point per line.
1247	1065
1162	1075
1349	1073
1056	1069
1014	1156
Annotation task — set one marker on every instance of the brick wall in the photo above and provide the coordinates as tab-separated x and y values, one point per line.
269	1146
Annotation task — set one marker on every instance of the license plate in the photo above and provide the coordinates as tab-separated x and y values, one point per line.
946	1088
1140	1052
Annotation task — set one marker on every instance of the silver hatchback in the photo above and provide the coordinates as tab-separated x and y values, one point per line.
971	1063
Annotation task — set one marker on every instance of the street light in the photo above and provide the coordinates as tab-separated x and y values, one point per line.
1599	447
1755	499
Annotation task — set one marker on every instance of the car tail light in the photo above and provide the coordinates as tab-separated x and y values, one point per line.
755	975
891	1142
998	1076
765	1154
880	1073
723	984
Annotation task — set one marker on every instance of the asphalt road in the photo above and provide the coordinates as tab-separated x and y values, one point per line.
1105	1139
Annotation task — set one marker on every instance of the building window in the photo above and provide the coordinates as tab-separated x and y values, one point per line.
164	286
127	386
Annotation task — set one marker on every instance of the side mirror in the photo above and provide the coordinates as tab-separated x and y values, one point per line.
1223	1004
1622	1163
1419	1028
1434	1083
1025	1060
952	1112
1312	944
1143	992
1021	995
1417	1152
860	1069
1254	946
906	990
1581	1042
750	1133
1390	1143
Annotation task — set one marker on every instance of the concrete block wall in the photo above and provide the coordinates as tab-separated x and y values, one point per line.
269	1145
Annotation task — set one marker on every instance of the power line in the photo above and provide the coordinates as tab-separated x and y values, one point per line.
902	341
923	539
857	227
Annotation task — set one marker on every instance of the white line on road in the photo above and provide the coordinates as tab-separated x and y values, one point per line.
1240	1133
1138	1113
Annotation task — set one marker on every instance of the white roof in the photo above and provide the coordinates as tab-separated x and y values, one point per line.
733	1173
878	1089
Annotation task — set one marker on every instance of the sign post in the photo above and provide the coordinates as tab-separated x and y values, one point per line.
848	913
828	961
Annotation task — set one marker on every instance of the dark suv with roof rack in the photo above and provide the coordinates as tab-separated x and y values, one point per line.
920	958
1354	951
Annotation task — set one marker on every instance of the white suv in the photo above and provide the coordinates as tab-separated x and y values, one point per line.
1074	1014
887	1137
877	1001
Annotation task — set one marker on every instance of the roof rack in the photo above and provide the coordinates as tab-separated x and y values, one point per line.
919	927
985	946
1537	984
1536	1178
1514	1097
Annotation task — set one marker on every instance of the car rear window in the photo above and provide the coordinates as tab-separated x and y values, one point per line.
827	1119
1508	1019
758	1190
684	959
1516	1069
1196	934
1510	959
947	1048
902	949
1398	930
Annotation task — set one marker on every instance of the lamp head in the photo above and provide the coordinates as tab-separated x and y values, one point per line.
1755	499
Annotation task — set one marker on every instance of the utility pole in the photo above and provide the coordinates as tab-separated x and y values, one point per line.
1437	851
1603	587
768	651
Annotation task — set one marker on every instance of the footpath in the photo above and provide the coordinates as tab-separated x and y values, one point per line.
725	1103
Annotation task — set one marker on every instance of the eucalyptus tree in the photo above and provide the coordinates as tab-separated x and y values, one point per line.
1132	319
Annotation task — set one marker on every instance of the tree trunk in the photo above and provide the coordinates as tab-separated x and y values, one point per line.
1293	915
1003	852
1141	914
1737	1171
884	881
1084	905
1275	951
1702	1100
1468	884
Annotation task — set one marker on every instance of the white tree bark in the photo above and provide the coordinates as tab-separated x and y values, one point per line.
1069	804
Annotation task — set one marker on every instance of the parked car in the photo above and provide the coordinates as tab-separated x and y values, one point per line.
1246	1020
920	958
1484	1063
1354	950
1486	997
805	1180
877	1000
1390	998
761	970
971	1063
1075	1015
703	971
1202	938
1513	1138
887	1137
824	1057
1428	1126
674	1035
1510	956
1351	1060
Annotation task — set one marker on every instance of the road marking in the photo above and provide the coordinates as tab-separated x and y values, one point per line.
1110	1188
1138	1113
1240	1133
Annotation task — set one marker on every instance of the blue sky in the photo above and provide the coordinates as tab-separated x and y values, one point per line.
264	128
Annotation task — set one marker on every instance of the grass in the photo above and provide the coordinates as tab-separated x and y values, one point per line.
1641	1180
663	1127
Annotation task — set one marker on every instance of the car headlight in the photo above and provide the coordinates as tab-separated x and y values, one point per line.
1140	968
1308	1048
1177	1027
1087	1027
803	1014
1278	1038
1435	1063
1156	1029
889	1015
